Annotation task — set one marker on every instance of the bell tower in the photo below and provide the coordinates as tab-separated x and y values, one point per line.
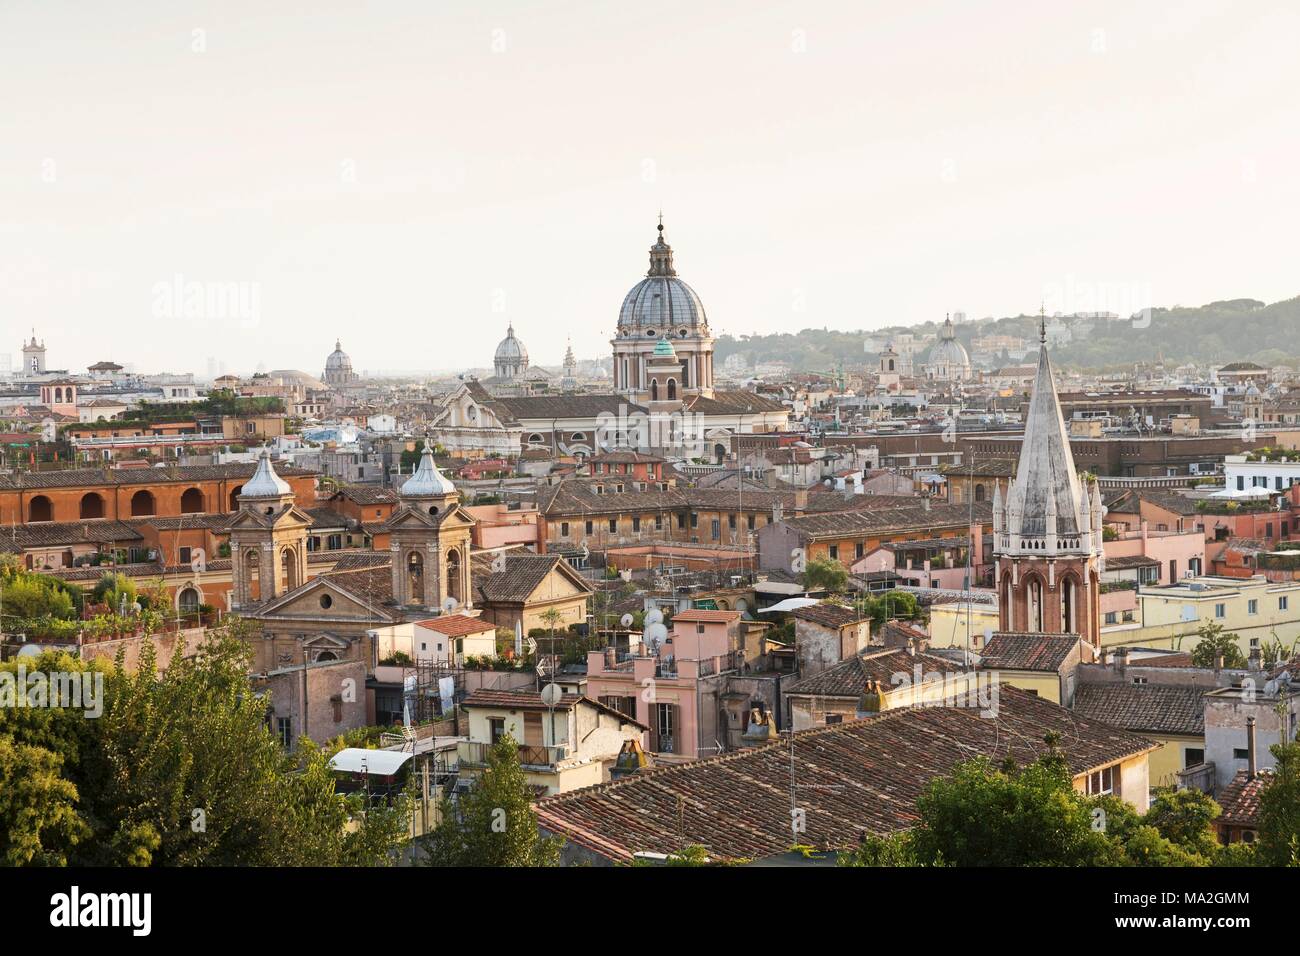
268	539
1047	527
430	541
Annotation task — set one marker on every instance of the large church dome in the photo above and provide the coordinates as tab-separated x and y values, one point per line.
511	358
338	367
662	304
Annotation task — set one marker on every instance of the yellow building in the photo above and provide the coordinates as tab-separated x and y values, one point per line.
1042	664
1171	716
1254	609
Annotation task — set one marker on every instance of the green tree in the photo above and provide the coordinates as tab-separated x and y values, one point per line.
1213	642
982	815
494	824
825	574
39	823
115	590
1186	819
1279	809
892	605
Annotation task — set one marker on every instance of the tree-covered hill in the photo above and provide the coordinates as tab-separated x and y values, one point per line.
1220	332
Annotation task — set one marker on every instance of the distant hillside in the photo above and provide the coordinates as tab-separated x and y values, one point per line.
1220	332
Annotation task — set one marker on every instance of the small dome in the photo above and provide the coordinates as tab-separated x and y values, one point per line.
265	483
664	349
428	481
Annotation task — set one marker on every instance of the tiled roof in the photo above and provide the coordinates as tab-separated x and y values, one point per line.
550	407
1144	708
59	533
891	520
532	700
1021	651
1240	799
734	402
859	777
848	677
369	494
77	477
829	614
704	616
457	625
522	573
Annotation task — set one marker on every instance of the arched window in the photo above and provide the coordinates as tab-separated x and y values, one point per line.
40	508
288	570
252	574
654	391
142	503
234	497
979	492
326	656
1034	591
92	505
415	576
192	502
891	365
58	396
453	576
534	439
672	389
1069	598
188	600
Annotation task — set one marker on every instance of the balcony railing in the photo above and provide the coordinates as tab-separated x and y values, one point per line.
474	754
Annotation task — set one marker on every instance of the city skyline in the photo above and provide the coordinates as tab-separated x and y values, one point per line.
982	174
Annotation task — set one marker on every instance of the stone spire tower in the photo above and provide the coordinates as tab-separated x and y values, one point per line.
1047	527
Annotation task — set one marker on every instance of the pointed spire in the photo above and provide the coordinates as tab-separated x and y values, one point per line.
1042	323
1046	484
265	483
428	481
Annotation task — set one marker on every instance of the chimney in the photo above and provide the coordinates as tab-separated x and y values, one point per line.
801	499
1121	659
1250	748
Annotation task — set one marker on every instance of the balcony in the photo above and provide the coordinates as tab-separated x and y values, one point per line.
475	755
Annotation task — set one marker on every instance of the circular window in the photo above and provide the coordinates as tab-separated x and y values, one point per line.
683	332
650	333
326	601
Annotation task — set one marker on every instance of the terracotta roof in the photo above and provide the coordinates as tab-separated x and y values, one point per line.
1144	708
457	625
517	580
829	614
848	677
1024	651
1240	799
78	477
532	700
700	614
859	777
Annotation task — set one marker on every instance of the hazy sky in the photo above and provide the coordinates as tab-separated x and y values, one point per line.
412	175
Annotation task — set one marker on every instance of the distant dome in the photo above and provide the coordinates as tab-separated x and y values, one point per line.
949	358
511	358
338	367
661	303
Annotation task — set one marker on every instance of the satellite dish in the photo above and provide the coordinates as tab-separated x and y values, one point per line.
551	694
626	620
654	616
449	604
655	634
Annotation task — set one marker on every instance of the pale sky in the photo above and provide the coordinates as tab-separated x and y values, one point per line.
412	175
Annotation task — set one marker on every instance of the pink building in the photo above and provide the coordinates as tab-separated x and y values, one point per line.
677	693
1175	553
502	525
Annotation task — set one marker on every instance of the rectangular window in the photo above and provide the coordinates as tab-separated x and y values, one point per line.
589	528
695	520
498	727
1240	753
1281	603
666	727
1110	617
1220	610
731	522
749	522
834	718
564	529
835	552
1192	756
613	524
659	522
1103	781
185	555
1252	606
681	521
636	523
284	728
715	526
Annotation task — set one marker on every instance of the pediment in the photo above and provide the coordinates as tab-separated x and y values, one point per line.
305	602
